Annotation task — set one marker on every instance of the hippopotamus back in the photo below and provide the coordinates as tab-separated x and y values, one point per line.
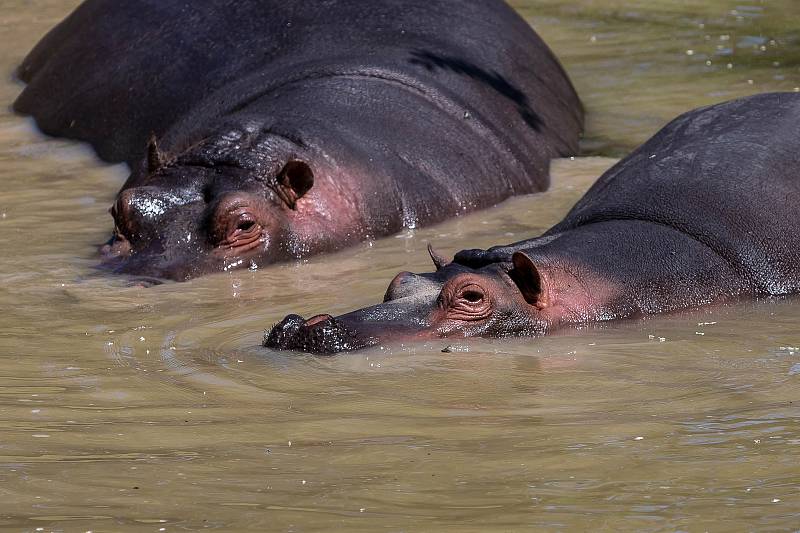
726	176
114	72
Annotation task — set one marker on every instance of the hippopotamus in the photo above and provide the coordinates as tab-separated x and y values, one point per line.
706	211
267	130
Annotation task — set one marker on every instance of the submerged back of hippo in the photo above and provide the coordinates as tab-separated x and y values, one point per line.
399	113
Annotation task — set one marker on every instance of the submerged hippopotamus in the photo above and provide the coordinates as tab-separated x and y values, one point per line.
708	210
265	130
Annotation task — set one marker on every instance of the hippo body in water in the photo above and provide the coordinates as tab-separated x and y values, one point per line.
706	211
266	130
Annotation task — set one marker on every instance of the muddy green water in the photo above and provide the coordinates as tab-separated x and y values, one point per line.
155	410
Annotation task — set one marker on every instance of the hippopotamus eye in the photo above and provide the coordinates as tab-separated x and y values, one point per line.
246	223
241	225
238	230
468	302
472	295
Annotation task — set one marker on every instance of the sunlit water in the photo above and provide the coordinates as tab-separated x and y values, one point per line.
156	409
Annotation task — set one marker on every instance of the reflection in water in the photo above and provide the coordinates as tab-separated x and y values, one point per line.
130	408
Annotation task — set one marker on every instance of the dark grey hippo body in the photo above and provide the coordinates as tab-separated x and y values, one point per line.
706	211
288	128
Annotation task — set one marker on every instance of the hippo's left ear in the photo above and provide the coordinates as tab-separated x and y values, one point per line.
294	181
532	284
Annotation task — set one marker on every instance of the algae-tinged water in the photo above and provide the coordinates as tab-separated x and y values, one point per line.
125	408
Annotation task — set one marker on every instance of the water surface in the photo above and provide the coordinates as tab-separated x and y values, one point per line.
123	408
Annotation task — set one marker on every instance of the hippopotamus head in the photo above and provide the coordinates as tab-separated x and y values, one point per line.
237	200
499	299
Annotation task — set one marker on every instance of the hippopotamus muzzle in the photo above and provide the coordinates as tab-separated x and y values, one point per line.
328	335
322	335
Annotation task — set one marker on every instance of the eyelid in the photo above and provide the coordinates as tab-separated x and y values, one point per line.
456	288
238	204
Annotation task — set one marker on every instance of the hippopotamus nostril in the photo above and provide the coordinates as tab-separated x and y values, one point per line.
315	320
125	204
126	214
118	246
148	203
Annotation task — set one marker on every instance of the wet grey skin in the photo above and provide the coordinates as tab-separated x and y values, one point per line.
260	131
705	212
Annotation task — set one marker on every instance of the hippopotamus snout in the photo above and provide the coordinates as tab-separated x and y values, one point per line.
321	334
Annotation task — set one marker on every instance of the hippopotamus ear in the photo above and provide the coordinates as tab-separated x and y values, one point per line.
155	159
530	281
294	181
439	261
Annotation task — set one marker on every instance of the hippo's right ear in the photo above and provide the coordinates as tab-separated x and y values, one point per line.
155	159
530	281
294	181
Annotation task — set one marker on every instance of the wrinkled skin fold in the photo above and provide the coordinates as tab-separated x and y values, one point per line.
706	211
260	131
